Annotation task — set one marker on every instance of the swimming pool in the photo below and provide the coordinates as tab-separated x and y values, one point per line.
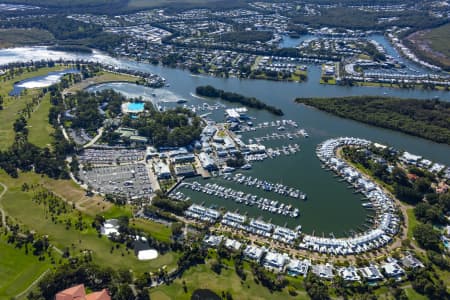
135	107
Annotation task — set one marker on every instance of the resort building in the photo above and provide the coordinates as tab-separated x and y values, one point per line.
162	170
78	293
207	162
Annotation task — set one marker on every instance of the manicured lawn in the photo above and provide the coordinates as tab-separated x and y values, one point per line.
103	77
39	128
157	230
19	206
17	270
413	295
412	222
201	277
12	105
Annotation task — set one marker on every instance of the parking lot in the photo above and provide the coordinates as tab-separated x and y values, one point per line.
111	156
131	181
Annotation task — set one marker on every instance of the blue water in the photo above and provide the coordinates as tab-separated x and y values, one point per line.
289	42
136	107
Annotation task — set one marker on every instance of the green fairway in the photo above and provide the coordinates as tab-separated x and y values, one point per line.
412	222
39	129
17	269
158	231
12	105
202	277
20	207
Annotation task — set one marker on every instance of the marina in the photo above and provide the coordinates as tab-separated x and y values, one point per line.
272	206
266	186
339	208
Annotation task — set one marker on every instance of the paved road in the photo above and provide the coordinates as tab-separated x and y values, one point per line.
95	139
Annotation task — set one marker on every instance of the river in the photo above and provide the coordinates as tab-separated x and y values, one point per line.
331	206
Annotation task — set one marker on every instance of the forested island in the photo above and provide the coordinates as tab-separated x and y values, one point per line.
424	118
210	91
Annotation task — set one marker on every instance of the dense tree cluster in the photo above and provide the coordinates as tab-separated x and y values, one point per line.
246	36
428	283
427	237
68	32
424	118
89	109
353	18
270	281
316	288
171	128
210	91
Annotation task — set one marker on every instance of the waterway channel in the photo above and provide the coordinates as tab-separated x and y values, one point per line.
331	206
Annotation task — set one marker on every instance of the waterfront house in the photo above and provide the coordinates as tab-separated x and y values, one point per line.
392	269
276	261
323	271
371	273
349	274
298	267
254	252
232	244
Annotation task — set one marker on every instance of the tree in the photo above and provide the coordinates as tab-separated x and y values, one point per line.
427	237
315	288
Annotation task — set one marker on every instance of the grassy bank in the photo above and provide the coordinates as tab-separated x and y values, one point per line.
202	277
102	77
20	207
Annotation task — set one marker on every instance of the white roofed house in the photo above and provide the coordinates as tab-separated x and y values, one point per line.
323	271
232	244
410	262
213	240
371	273
254	252
392	268
298	267
276	261
349	274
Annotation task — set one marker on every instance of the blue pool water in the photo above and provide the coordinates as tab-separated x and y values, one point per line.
136	107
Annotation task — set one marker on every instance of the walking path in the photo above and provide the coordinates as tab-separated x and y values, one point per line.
27	290
5	189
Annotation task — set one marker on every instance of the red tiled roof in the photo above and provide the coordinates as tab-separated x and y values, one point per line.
102	295
76	292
